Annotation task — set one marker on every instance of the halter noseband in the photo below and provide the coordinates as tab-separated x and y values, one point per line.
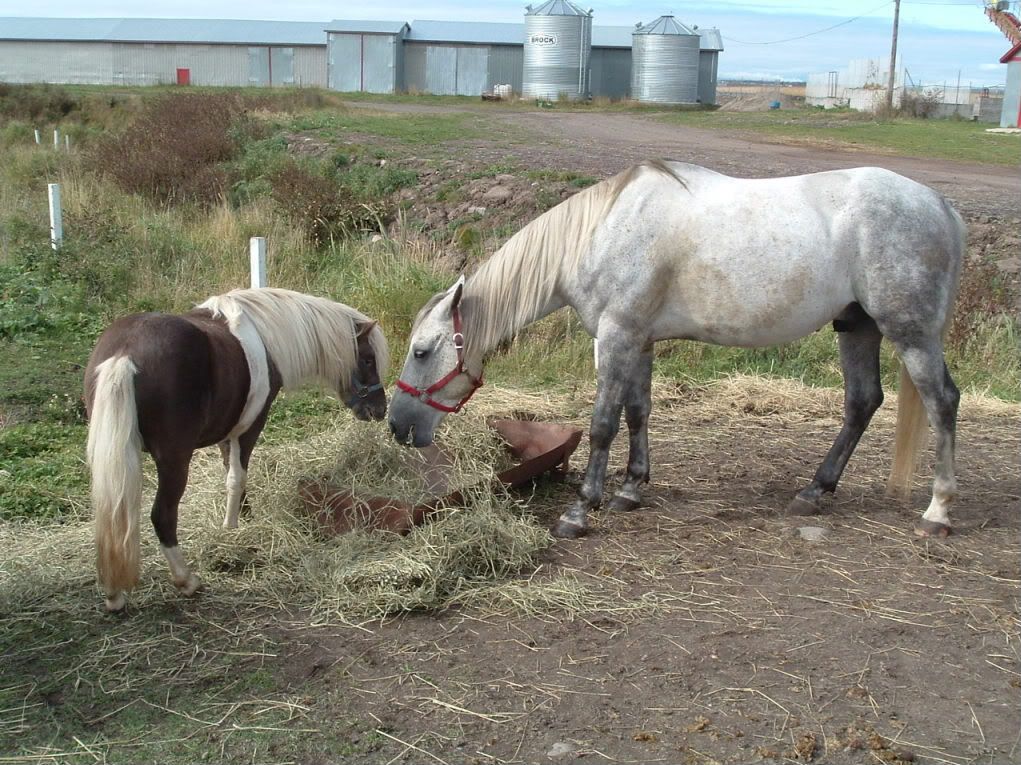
425	396
360	391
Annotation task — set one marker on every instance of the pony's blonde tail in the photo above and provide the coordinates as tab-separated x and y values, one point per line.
115	460
912	435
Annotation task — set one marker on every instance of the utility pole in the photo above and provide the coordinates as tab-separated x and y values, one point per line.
893	58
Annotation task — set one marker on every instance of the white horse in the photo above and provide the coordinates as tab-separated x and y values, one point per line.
671	250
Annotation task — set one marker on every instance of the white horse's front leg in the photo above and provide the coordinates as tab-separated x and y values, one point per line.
237	479
617	366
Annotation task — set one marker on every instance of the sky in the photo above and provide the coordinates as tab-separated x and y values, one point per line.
939	40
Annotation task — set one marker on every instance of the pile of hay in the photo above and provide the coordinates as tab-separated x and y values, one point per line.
468	553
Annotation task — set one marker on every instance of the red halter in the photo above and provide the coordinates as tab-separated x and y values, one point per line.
425	396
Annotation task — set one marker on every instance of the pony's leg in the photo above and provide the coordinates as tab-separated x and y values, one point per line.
237	454
237	479
618	361
172	471
637	405
941	397
863	394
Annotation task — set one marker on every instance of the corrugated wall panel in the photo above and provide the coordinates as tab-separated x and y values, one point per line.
87	63
472	69
379	64
707	65
505	66
611	73
441	70
415	68
345	54
310	66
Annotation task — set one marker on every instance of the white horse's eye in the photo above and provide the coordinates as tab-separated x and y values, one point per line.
420	354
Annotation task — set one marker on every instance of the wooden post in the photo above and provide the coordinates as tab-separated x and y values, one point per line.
56	218
893	59
56	138
67	142
38	137
257	248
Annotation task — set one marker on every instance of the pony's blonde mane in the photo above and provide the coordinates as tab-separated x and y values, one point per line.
515	286
307	337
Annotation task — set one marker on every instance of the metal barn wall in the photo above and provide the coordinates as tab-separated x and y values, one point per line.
105	63
310	66
458	69
368	62
1010	114
707	69
611	73
506	64
56	62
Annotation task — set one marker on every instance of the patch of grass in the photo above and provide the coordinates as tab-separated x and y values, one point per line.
944	139
409	129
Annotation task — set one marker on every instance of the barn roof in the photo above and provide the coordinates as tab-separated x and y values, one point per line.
224	31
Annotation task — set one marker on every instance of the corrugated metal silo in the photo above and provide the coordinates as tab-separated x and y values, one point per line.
558	47
664	62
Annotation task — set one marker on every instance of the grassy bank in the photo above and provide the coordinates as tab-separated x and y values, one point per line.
943	139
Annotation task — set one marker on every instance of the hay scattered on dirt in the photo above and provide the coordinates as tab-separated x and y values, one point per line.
486	553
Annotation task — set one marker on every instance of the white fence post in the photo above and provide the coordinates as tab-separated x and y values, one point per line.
56	139
595	353
38	138
56	218
67	142
257	249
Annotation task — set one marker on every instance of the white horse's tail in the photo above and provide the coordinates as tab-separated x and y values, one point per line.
115	460
911	436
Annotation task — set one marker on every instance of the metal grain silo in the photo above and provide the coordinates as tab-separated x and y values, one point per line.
558	46
664	62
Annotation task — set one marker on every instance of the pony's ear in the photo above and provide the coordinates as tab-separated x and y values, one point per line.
457	289
363	328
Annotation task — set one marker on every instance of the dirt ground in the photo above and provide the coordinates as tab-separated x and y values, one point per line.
732	638
743	642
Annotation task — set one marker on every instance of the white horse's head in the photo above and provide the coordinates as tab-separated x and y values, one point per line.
435	379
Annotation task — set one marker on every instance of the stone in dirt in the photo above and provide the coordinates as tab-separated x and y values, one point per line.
498	194
561	749
812	533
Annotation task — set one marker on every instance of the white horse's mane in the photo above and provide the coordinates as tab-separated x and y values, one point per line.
511	289
307	337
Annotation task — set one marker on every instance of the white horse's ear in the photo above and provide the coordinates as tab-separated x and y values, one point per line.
457	289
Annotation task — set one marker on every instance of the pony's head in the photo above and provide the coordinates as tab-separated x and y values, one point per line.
435	379
367	399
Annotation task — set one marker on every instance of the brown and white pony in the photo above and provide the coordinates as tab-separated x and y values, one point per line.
169	384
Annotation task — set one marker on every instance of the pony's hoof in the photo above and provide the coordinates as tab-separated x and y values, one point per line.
566	530
935	529
116	603
623	504
802	507
190	586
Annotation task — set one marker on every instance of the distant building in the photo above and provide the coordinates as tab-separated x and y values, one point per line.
440	57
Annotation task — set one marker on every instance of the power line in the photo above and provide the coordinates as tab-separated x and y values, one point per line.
810	34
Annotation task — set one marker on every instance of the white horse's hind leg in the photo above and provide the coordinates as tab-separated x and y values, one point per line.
859	339
237	478
637	406
941	397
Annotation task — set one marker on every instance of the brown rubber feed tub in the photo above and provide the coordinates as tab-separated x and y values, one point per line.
539	447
